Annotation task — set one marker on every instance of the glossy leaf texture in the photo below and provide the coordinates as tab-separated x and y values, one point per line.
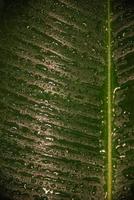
53	99
123	133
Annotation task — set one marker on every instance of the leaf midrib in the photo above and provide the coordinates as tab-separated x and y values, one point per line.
109	109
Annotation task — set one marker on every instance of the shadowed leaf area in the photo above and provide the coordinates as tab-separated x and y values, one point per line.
66	100
4	196
128	3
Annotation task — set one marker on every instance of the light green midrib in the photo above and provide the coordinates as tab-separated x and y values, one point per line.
109	110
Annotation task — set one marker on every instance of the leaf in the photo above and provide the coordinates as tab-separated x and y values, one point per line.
66	100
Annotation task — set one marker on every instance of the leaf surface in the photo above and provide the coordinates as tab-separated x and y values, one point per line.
66	100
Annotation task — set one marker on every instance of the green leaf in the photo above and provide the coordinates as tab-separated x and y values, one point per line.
67	100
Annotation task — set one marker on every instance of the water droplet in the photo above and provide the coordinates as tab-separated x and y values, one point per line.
106	195
102	151
93	193
123	34
124	188
124	144
113	133
57	193
93	49
84	24
49	138
25	186
48	125
38	132
51	191
117	146
56	173
122	156
13	128
119	141
66	151
45	190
